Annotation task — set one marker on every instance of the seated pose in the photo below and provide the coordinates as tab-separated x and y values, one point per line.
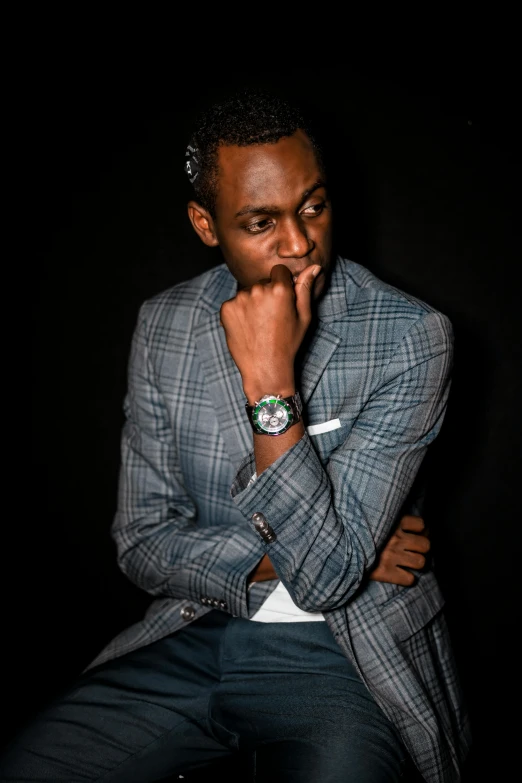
279	407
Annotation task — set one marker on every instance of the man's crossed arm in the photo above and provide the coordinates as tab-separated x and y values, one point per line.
407	548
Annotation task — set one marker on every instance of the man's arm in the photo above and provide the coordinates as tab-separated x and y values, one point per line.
407	548
330	522
265	326
160	546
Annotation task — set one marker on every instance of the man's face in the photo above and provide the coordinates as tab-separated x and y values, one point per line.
272	208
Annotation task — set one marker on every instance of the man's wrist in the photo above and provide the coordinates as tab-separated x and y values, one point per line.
283	388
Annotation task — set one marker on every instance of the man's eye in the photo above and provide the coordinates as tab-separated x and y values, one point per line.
314	209
256	228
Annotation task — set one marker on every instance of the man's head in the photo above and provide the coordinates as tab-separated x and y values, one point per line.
250	117
260	187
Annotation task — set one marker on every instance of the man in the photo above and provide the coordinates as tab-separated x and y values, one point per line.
278	410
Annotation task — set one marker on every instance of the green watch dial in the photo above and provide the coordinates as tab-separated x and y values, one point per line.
272	416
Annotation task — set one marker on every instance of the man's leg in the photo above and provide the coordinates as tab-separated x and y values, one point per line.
294	698
135	719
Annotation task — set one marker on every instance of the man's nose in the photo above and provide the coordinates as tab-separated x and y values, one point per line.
293	240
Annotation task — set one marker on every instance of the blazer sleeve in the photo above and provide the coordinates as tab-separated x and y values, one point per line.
329	521
159	546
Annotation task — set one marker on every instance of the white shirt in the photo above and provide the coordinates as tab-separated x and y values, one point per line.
279	608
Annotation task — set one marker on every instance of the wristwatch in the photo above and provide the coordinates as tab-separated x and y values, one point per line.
273	414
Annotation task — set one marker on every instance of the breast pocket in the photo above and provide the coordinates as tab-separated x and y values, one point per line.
327	436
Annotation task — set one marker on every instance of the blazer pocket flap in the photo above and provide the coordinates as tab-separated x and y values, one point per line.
413	607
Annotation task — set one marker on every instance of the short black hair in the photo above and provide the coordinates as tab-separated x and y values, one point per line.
247	117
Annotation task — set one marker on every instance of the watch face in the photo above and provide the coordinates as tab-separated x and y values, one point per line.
272	416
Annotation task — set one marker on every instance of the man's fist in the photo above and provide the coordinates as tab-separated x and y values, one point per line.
265	326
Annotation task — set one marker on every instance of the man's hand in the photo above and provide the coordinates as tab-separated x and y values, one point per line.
263	571
407	548
265	326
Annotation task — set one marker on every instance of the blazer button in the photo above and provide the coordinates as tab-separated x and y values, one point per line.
188	613
268	535
259	521
263	528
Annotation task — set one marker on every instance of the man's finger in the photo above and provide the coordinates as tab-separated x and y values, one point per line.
396	575
412	560
412	542
412	524
304	285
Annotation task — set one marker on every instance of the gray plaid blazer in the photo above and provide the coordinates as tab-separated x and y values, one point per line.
379	361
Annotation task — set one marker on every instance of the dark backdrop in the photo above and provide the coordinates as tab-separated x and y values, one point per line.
427	175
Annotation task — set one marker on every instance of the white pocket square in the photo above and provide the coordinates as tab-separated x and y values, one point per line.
325	426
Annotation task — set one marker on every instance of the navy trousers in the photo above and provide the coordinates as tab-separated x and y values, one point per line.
283	691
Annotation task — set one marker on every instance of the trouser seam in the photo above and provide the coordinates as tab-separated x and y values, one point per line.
210	720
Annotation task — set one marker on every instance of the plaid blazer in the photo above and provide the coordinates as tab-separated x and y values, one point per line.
379	361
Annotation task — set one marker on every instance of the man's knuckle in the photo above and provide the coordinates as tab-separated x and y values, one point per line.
280	288
406	577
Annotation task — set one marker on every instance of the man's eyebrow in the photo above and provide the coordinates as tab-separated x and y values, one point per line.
319	184
252	209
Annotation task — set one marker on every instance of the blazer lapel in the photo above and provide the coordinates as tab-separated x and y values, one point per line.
325	340
323	345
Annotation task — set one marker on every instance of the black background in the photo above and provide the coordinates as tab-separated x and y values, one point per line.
427	174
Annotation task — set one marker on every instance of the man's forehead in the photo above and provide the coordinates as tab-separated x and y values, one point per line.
250	171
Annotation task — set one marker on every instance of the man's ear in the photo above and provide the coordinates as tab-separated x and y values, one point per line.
202	223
